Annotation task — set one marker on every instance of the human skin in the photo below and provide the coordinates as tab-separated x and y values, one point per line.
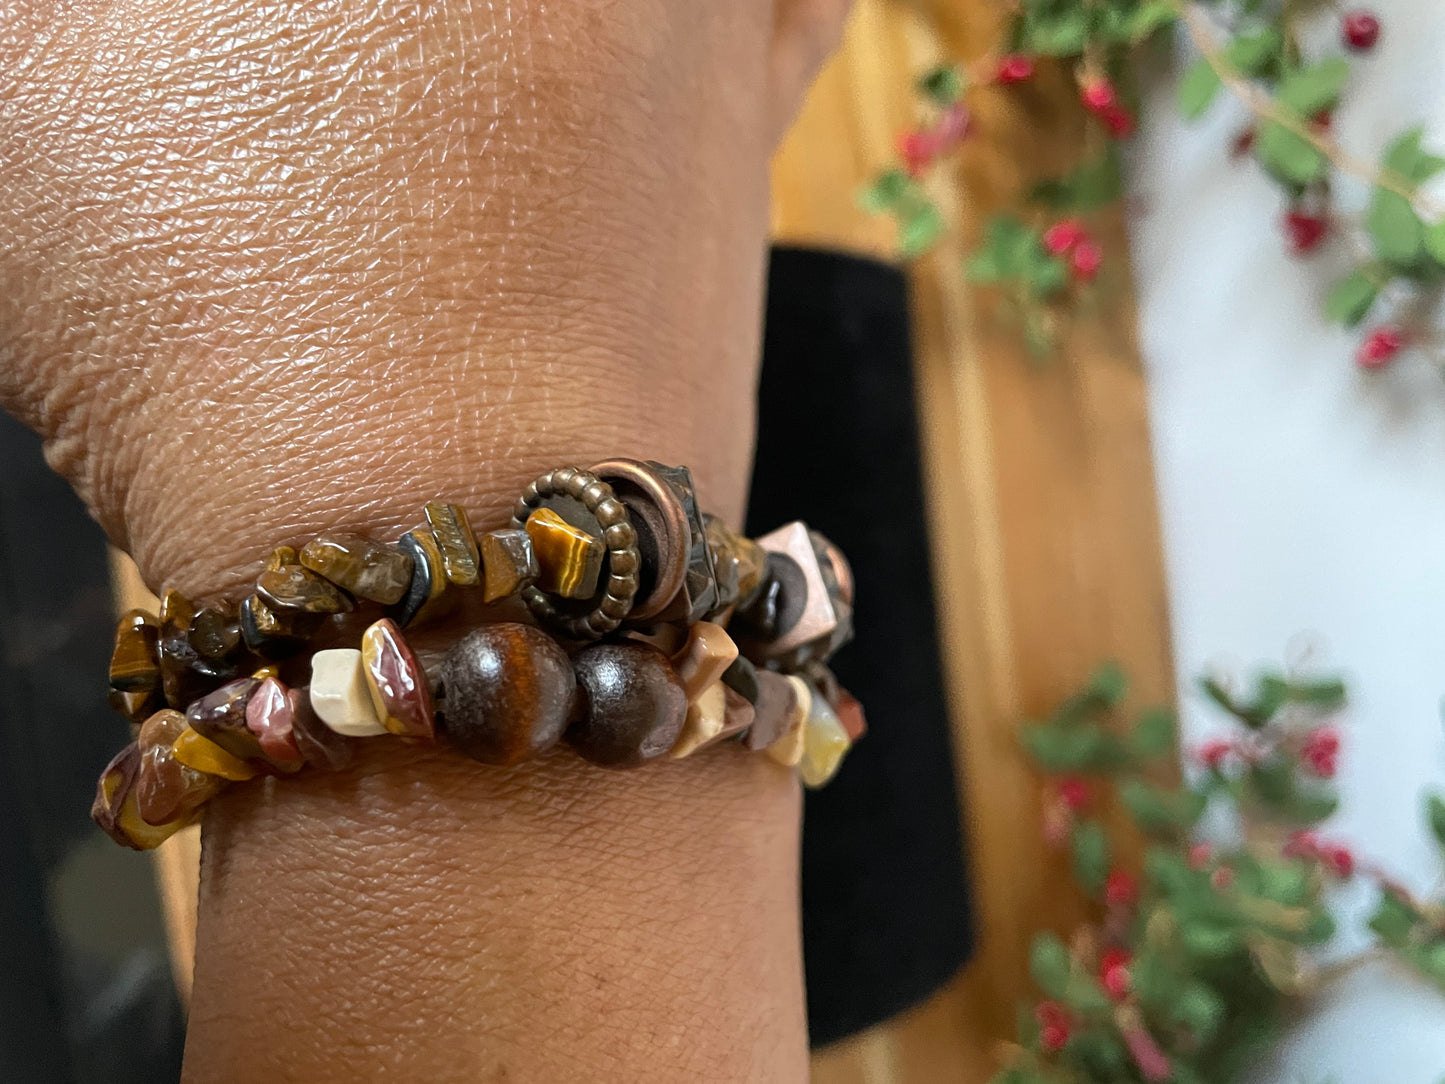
272	269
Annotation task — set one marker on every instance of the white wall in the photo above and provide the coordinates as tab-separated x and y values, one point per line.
1300	496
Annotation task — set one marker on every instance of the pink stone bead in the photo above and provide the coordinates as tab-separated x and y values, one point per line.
397	682
270	715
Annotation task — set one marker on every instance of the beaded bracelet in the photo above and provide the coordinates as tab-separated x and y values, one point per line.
633	627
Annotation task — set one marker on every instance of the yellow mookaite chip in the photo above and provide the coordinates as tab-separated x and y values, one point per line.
569	559
197	751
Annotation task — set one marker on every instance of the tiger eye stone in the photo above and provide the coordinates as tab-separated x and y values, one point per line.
221	717
136	708
508	563
397	683
780	716
426	589
361	566
297	588
267	633
634	705
201	753
705	658
270	715
457	542
825	744
214	634
115	809
508	693
569	559
135	662
185	674
282	556
165	788
738	562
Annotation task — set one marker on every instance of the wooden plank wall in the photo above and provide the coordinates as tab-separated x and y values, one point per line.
1045	529
1046	538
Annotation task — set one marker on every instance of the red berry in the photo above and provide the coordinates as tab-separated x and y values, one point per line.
1116	982
1074	792
1098	95
1222	878
1320	751
1301	844
1053	1038
1118	120
1380	347
1121	889
1339	859
1361	30
1243	143
1305	231
1088	256
1212	754
1063	236
1014	68
917	150
1200	855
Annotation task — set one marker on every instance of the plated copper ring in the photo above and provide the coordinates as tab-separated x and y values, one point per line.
663	533
605	611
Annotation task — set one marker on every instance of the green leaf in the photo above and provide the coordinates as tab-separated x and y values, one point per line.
1209	940
1091	855
1406	157
1327	694
1393	919
943	85
1200	1010
1149	16
1058	33
1398	233
1311	89
886	191
1256	53
1435	241
1288	157
1435	816
1089	186
1198	89
1109	683
1352	298
1050	965
1154	734
1158	811
918	231
1048	277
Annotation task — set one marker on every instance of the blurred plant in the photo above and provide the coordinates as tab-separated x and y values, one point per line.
1193	965
1041	256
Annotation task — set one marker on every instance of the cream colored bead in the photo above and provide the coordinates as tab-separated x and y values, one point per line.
339	693
788	749
709	651
824	746
705	717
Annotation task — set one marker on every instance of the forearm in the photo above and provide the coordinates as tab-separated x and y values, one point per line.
325	279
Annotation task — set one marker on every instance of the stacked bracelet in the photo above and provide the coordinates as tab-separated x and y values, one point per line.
631	625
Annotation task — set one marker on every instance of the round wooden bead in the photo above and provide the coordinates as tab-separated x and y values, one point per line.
508	693
634	704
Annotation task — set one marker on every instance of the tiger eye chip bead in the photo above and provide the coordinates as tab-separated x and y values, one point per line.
509	563
135	663
397	683
634	705
297	588
360	566
185	673
458	544
569	559
214	634
267	633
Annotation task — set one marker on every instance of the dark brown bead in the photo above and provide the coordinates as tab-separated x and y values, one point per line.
185	674
634	705
136	708
508	693
321	747
221	716
267	633
135	664
742	677
295	588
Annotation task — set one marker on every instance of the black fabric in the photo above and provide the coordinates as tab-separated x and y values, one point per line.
886	910
85	984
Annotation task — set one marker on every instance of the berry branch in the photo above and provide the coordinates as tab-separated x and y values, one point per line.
1041	257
